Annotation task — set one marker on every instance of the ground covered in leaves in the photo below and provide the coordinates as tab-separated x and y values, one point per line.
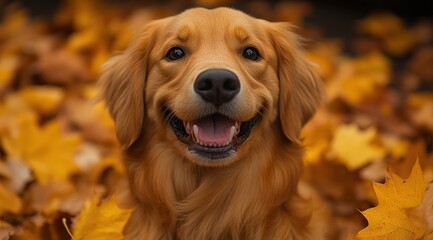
59	160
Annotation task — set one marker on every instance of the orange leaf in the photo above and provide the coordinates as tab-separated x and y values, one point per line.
389	219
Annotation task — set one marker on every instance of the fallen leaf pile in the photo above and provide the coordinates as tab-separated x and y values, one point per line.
60	161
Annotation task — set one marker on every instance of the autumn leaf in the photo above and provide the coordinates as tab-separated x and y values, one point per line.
423	116
4	170
368	73
48	151
324	56
322	124
86	39
9	201
62	67
395	146
13	22
44	99
8	64
360	79
354	147
381	24
101	221
397	39
6	230
19	174
389	220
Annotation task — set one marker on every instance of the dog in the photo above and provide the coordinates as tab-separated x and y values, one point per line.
208	107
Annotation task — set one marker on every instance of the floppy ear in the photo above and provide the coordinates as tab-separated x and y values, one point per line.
301	89
122	84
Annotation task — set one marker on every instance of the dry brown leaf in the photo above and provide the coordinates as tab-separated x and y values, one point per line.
47	197
62	67
20	175
6	230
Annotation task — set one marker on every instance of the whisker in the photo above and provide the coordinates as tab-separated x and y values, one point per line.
167	113
262	110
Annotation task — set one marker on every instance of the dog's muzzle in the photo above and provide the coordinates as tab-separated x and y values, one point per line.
215	136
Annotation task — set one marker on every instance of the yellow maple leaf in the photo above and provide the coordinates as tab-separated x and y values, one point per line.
48	151
98	60
354	147
8	65
44	99
396	146
356	88
101	221
9	201
389	220
375	65
381	24
322	124
324	55
360	79
85	39
397	39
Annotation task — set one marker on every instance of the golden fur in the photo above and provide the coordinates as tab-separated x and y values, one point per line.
253	194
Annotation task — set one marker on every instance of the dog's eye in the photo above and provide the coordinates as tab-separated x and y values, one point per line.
175	54
251	54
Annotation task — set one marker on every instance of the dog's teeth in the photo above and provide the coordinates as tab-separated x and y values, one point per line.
195	131
188	127
232	133
236	125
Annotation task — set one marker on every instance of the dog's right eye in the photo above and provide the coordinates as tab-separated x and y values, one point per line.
251	53
175	54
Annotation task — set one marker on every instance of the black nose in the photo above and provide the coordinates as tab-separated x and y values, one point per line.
217	86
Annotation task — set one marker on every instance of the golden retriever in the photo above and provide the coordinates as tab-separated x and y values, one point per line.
208	107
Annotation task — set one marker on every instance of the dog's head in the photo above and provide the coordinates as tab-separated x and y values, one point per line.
212	84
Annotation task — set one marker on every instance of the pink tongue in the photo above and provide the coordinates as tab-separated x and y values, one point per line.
214	129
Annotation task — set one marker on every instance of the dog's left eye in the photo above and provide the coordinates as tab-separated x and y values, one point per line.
251	54
175	54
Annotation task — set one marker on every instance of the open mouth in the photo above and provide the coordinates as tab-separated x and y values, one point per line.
214	136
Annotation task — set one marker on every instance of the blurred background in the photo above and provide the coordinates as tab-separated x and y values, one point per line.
58	147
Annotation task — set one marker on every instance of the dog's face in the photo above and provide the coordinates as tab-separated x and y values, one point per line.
211	83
